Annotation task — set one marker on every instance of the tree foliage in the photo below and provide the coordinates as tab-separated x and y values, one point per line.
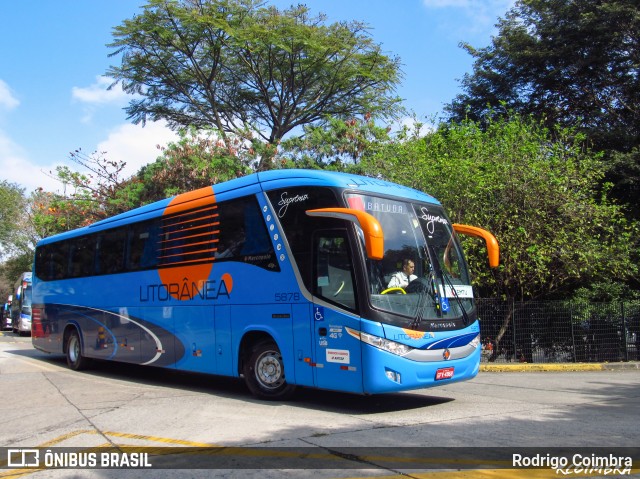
12	209
569	63
196	160
10	271
537	190
18	235
236	65
97	190
338	144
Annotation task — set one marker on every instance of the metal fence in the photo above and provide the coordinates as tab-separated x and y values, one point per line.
559	331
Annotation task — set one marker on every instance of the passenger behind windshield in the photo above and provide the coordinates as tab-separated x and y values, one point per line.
401	279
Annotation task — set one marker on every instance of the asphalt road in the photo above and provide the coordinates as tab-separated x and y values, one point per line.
45	405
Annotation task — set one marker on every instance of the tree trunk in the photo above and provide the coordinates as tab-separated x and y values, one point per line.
503	329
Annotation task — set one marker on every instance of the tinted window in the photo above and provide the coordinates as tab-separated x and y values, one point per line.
243	235
291	205
143	245
81	256
111	251
42	262
333	272
189	237
229	231
51	261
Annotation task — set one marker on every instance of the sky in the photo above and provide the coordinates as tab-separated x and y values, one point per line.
53	57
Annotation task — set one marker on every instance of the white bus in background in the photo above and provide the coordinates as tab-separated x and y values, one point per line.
21	305
6	313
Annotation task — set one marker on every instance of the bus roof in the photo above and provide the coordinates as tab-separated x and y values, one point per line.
274	179
266	181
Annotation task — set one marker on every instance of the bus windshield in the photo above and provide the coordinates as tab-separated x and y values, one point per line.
422	276
26	297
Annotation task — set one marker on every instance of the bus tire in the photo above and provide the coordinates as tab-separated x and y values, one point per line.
264	372
75	359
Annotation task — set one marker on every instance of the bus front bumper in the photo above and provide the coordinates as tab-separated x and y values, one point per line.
387	372
24	325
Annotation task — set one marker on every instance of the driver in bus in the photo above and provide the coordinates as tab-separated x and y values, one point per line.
401	279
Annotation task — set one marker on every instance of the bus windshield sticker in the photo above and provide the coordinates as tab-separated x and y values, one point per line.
456	290
285	201
432	219
380	206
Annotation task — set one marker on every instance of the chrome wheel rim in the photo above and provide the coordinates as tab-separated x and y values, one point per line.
74	349
269	370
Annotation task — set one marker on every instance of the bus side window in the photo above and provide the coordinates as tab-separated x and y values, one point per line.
243	235
257	238
59	257
333	269
143	246
43	263
81	257
232	232
299	228
51	261
111	249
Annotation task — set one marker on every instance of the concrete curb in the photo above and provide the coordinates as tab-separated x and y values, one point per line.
526	367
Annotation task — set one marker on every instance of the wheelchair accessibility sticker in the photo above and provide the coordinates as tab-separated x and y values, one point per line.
318	313
445	305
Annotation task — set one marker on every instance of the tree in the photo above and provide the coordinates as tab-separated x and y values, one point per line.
196	160
15	239
338	144
18	236
537	190
240	67
13	207
96	191
11	270
568	62
624	173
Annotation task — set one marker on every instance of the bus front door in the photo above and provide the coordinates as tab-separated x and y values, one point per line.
338	363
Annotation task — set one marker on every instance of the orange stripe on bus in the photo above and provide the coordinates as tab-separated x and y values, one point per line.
183	271
192	199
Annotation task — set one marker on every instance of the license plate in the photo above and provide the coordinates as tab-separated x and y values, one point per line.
444	373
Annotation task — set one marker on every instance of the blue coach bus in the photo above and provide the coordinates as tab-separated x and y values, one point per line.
282	278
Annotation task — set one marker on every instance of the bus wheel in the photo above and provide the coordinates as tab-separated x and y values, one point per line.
264	372
75	359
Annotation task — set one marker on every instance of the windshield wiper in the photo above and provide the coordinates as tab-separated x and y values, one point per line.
430	289
457	298
445	281
425	290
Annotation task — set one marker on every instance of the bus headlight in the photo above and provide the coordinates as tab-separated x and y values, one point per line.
475	342
381	343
